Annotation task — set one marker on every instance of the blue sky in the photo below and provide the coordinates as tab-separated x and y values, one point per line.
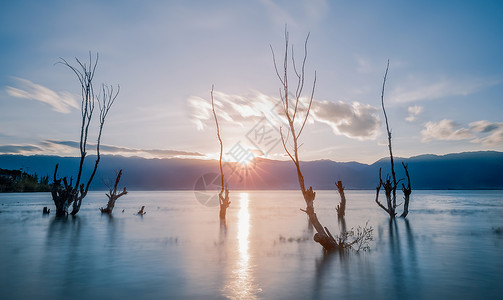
444	92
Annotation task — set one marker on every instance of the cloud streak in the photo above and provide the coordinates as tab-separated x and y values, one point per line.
62	102
493	131
419	90
68	148
19	149
479	132
355	120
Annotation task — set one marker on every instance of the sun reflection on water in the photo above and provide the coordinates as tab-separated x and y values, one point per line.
241	284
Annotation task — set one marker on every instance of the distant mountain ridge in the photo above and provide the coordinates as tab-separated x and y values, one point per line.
467	170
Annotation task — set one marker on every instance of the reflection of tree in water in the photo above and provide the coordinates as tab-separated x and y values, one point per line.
113	238
404	269
223	231
64	260
71	258
344	273
223	258
324	271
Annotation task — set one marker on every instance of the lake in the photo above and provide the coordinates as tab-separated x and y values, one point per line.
449	247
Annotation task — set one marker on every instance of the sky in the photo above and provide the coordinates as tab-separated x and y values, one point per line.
444	90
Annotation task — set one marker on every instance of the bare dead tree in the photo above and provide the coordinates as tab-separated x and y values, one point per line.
113	196
390	184
223	200
69	193
290	108
341	209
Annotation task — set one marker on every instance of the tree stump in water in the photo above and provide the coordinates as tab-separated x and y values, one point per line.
224	203
141	212
341	209
113	196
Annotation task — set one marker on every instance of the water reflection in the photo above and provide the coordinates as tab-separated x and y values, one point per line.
62	246
404	263
223	231
241	284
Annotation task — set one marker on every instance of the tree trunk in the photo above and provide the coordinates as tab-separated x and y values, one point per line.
407	190
62	195
113	196
322	235
341	209
224	203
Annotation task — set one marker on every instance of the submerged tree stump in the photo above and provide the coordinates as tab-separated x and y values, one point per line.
407	190
113	196
141	212
341	209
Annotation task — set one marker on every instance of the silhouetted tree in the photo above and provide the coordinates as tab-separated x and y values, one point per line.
390	183
70	193
113	196
19	181
222	199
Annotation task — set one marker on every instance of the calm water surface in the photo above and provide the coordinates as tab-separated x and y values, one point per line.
448	248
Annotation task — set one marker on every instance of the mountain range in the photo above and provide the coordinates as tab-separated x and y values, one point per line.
467	170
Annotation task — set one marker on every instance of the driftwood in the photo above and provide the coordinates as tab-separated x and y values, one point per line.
390	184
113	196
64	193
223	200
341	209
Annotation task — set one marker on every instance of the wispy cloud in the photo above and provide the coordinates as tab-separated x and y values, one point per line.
446	130
352	120
296	14
19	149
234	109
61	102
417	90
479	132
124	151
68	148
363	65
493	131
414	111
277	13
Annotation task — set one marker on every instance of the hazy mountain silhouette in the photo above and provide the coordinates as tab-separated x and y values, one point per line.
468	170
